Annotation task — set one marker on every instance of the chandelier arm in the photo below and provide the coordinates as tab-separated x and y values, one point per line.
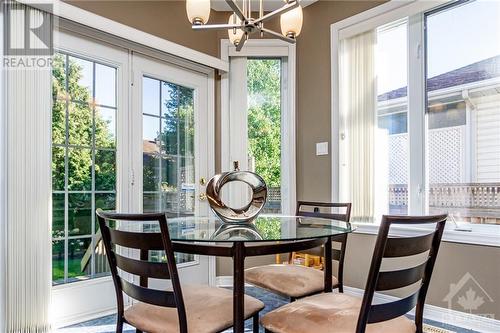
236	9
278	35
217	26
289	6
242	42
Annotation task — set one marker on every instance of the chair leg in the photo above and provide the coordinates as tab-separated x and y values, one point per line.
255	324
119	325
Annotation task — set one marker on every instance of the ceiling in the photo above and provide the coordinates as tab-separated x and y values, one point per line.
269	5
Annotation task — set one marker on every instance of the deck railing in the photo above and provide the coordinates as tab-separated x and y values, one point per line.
469	202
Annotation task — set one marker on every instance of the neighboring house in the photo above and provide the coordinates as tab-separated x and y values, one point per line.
463	141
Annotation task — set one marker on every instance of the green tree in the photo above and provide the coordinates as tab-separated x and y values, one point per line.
264	118
82	127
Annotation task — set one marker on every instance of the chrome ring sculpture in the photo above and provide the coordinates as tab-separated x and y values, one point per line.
237	215
236	231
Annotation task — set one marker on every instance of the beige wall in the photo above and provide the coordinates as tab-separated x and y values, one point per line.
167	19
164	18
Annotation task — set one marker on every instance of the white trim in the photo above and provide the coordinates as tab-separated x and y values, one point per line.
380	15
266	48
439	314
3	188
126	32
481	235
431	312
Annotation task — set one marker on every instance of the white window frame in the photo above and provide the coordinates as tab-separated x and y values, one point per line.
371	19
265	48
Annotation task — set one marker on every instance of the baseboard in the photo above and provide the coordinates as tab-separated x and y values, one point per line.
83	317
431	312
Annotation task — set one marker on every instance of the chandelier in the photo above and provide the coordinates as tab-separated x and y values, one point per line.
241	24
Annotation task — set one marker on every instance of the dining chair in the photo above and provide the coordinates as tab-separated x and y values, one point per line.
332	313
297	281
187	308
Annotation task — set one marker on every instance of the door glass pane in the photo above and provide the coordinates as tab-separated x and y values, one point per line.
392	153
168	152
264	126
84	178
463	111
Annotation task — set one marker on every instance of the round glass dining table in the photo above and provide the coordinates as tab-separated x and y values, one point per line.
265	235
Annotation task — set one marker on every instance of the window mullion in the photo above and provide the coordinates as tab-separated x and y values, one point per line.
416	115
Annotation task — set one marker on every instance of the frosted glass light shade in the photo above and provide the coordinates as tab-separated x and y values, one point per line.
291	22
198	11
234	38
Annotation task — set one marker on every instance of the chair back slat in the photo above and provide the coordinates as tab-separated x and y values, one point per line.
398	247
137	240
401	278
155	270
339	217
408	246
128	242
346	216
387	311
147	295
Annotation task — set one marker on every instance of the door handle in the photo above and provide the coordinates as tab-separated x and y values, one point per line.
203	181
202	196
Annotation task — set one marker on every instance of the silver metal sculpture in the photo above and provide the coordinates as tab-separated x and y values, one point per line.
238	231
237	215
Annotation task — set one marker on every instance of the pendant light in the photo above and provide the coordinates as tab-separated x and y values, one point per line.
198	11
234	34
291	22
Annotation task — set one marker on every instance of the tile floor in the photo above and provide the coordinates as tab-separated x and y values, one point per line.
107	324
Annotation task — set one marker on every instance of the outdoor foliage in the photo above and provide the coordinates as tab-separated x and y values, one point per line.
264	118
81	130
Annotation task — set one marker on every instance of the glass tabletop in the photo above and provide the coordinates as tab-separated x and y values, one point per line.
264	228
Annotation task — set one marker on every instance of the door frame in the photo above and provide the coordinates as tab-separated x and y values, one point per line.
264	48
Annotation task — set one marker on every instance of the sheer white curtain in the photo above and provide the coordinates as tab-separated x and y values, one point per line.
358	122
28	279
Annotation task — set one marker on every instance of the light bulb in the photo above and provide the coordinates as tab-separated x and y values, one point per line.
234	38
291	22
198	11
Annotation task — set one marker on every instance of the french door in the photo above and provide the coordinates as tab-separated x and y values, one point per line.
129	133
171	145
89	145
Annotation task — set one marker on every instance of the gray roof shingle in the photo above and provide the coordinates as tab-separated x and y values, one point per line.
478	71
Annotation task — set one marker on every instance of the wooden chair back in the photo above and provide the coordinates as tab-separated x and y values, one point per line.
143	267
337	254
398	247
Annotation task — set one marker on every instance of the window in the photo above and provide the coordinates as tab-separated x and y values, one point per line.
168	147
437	77
168	153
392	159
83	163
463	111
264	126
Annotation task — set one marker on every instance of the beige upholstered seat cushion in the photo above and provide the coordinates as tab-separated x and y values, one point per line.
288	280
208	309
328	313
